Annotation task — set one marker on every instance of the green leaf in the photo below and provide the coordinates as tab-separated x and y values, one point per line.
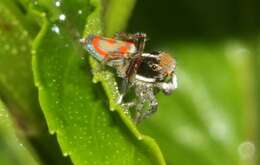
116	15
75	108
12	150
210	118
16	82
15	71
256	65
110	86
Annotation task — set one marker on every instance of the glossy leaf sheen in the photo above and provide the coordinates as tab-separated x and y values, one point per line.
75	108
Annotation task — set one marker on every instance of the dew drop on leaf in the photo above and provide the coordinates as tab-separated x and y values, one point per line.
65	154
52	132
55	29
62	17
246	150
57	3
79	12
35	2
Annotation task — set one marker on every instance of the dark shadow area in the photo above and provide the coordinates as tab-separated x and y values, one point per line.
180	19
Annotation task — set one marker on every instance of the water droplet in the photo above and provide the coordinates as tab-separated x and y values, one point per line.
55	29
79	12
62	17
246	150
65	154
57	3
111	107
52	132
95	80
140	137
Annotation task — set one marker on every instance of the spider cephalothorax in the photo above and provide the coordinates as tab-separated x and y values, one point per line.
145	72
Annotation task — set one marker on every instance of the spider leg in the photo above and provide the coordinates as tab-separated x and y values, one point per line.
152	108
141	39
127	106
168	87
129	37
122	36
138	38
123	90
138	114
124	86
146	104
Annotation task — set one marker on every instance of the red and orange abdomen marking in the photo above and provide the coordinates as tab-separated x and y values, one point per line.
107	48
95	44
124	49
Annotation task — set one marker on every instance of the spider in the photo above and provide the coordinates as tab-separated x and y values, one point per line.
146	73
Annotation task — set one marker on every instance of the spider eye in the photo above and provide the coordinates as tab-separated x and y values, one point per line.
154	68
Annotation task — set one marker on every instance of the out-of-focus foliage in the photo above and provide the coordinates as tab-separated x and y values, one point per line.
17	90
185	19
116	15
212	116
12	149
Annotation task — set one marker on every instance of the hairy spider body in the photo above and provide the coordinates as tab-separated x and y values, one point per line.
147	73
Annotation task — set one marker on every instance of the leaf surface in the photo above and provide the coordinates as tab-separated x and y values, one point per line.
76	108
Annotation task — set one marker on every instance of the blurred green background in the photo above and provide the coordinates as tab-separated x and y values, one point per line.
211	119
